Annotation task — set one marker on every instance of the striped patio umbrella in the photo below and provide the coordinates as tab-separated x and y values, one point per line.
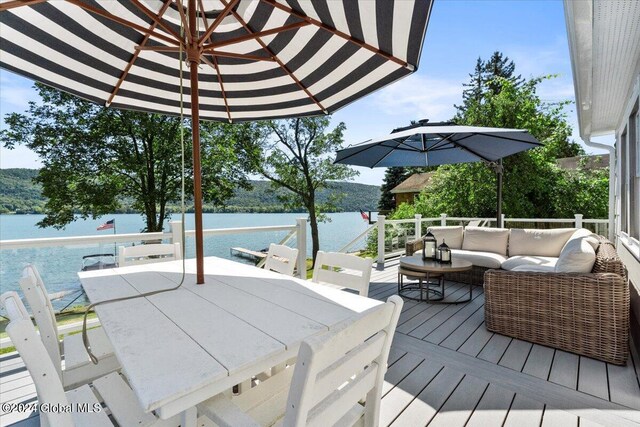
245	59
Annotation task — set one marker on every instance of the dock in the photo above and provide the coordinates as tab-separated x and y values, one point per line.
247	253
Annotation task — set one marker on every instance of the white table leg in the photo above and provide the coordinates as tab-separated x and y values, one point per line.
189	418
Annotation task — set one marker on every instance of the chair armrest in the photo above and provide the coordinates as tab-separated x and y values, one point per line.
584	313
222	411
411	247
528	278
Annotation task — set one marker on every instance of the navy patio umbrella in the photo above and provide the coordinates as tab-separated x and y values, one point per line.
433	144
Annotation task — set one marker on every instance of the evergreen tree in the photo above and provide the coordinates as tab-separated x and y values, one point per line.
392	177
499	66
483	82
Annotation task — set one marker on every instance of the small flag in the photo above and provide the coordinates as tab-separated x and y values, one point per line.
107	225
364	215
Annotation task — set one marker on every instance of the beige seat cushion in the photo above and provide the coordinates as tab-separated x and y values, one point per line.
577	256
546	243
536	268
486	239
524	260
452	235
479	258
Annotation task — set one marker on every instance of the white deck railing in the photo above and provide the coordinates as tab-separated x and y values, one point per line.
393	234
297	230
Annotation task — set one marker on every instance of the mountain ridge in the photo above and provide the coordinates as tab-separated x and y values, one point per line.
20	195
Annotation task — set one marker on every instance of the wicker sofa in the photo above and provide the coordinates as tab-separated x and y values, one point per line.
583	313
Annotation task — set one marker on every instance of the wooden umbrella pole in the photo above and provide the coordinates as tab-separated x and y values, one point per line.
193	56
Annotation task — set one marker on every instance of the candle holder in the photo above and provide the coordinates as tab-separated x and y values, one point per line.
429	248
444	253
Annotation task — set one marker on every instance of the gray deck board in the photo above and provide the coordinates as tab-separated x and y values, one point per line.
445	368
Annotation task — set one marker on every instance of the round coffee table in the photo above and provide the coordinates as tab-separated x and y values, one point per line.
415	267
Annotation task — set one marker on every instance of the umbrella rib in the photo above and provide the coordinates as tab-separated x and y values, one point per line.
133	59
462	147
367	147
17	3
338	33
239	56
539	144
159	48
183	18
155	18
227	9
280	63
252	35
214	65
443	140
123	21
382	158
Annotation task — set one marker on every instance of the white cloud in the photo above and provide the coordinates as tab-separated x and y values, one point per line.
420	96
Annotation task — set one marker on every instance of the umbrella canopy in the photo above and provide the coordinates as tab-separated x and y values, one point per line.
247	59
437	144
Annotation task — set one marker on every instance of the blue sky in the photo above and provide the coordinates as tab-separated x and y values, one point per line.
530	32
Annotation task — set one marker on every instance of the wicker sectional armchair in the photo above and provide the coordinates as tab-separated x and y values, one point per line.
583	313
587	314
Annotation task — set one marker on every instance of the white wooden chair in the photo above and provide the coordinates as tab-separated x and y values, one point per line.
111	389
332	374
78	368
145	254
343	270
281	259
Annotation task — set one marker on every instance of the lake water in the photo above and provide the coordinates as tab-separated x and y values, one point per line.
59	265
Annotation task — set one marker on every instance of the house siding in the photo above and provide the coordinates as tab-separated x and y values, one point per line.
627	201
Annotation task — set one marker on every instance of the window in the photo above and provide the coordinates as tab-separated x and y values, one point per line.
623	159
634	173
629	158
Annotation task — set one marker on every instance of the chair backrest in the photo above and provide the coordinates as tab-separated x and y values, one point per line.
335	370
43	371
474	223
145	254
38	298
348	271
281	259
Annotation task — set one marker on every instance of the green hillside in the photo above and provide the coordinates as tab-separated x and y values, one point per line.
18	194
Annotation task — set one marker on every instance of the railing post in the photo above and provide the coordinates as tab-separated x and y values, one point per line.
443	219
502	217
176	232
578	220
381	219
418	226
301	244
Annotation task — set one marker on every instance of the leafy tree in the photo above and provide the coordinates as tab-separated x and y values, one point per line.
297	154
93	157
531	179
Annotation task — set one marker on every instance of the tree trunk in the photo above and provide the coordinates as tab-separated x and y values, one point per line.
315	238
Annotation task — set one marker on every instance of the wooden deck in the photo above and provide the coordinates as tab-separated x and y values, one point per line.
446	369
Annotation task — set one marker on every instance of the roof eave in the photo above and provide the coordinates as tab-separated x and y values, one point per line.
579	22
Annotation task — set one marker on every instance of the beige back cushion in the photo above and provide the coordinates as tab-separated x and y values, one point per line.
452	235
535	242
583	233
577	256
486	239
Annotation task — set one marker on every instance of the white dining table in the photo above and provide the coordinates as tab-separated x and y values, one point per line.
182	347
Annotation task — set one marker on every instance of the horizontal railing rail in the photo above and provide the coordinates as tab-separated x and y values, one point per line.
81	240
